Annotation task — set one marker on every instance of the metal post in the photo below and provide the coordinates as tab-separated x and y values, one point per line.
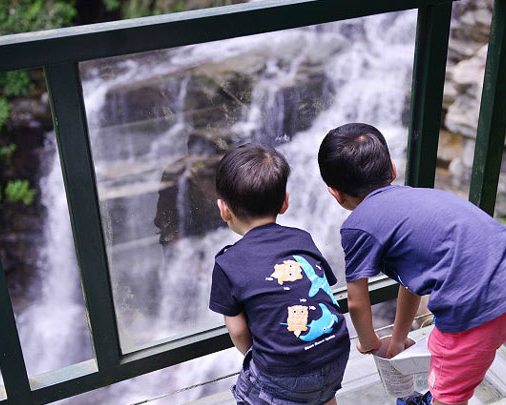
65	92
431	47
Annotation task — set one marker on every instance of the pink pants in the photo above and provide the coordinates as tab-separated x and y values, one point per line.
460	360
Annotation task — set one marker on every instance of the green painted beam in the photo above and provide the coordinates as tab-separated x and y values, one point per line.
431	48
492	120
380	290
383	289
83	377
75	44
12	362
65	94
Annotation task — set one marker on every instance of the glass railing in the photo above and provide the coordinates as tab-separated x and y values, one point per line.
143	110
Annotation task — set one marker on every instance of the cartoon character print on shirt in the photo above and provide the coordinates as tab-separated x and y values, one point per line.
290	270
297	322
298	315
297	319
321	326
317	282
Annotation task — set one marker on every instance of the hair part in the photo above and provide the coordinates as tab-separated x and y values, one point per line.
251	179
354	159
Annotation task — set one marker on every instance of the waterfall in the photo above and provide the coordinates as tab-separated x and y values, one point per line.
57	320
162	291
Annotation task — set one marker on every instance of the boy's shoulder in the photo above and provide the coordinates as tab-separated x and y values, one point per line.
222	251
265	238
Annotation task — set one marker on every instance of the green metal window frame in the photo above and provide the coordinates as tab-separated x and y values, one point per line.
59	51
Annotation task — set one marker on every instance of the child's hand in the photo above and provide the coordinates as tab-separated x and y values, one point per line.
369	346
395	347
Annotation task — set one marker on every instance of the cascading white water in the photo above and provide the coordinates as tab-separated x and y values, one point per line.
164	292
55	324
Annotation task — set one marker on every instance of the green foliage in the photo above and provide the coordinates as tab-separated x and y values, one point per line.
179	6
110	5
136	8
6	153
142	8
22	16
33	15
4	111
15	84
19	191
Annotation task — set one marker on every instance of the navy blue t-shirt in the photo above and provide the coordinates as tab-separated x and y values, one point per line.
278	277
432	242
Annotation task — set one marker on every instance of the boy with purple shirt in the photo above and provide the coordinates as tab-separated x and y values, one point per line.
273	288
429	241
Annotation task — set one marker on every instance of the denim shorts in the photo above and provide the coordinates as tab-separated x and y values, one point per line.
314	388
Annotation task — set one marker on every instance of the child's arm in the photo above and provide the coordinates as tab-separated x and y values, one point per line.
407	305
359	306
239	332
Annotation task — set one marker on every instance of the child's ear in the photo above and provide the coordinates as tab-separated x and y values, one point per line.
224	210
284	207
394	171
340	197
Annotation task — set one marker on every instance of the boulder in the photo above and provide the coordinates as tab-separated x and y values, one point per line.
465	83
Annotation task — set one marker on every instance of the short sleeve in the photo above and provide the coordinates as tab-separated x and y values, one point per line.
362	253
222	299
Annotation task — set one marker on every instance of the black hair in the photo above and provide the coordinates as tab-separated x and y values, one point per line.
252	179
354	159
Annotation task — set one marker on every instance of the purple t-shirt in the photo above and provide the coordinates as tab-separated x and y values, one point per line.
278	277
432	242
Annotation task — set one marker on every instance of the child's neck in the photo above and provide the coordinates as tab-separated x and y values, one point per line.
243	227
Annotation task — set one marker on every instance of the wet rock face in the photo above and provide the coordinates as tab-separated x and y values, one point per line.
200	100
187	199
295	108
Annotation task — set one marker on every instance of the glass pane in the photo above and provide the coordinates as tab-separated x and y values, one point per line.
36	241
178	385
159	123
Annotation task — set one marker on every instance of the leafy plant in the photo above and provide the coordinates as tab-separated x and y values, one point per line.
19	191
4	111
15	84
110	5
6	153
34	15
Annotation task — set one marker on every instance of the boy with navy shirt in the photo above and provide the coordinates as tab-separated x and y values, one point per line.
273	288
429	241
